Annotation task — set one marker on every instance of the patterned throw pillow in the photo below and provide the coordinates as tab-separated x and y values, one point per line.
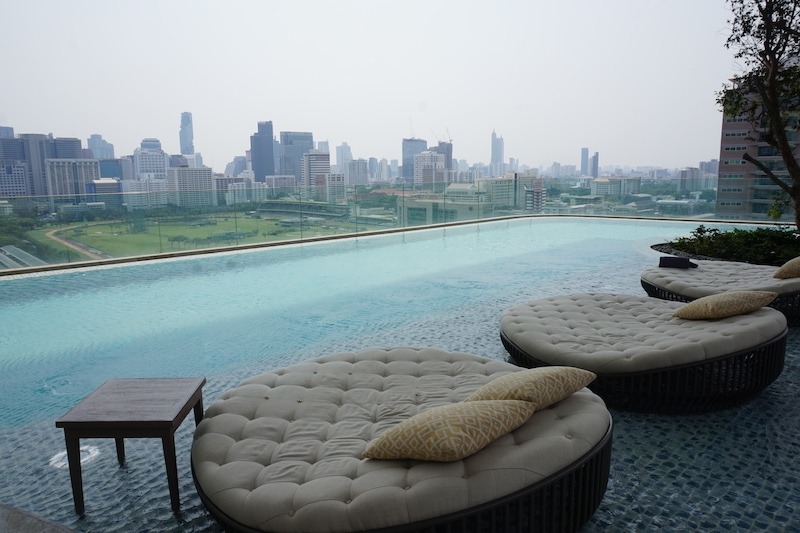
541	386
725	304
449	432
790	269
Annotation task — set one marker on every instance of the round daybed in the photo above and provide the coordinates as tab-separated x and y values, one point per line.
714	277
282	452
645	358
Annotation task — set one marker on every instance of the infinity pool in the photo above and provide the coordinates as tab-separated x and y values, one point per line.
227	316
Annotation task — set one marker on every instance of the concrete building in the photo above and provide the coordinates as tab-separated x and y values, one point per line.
67	180
150	161
497	163
584	161
357	172
429	171
105	190
14	178
145	193
314	172
191	187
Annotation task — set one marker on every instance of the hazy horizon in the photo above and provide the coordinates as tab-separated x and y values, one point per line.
634	81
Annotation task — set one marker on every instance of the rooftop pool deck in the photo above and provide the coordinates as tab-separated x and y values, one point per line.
232	315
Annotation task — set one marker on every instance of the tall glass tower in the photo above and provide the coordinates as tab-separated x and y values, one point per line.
187	134
262	153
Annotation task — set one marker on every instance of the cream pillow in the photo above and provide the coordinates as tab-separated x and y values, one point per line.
725	304
450	432
541	386
790	269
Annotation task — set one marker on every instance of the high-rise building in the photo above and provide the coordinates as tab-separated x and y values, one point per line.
187	133
100	148
358	172
446	149
262	158
584	161
594	165
294	144
236	167
150	161
411	147
315	169
343	157
191	187
33	149
497	163
429	171
6	132
67	180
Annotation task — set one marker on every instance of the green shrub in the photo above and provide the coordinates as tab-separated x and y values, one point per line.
767	246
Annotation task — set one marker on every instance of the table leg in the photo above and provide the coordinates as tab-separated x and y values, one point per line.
168	443
74	461
120	450
198	411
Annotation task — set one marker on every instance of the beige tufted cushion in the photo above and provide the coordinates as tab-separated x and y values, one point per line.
541	386
450	432
725	304
712	277
790	269
282	451
620	333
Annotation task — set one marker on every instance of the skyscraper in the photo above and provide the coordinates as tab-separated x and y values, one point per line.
6	132
594	165
262	156
584	161
150	161
187	134
294	144
101	149
411	147
496	164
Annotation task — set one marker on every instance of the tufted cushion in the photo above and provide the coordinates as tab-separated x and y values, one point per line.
283	451
620	333
713	277
790	269
725	304
450	432
542	386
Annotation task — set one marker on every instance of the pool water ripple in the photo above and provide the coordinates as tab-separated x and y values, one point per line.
230	316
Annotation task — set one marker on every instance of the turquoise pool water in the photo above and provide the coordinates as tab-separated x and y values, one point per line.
230	315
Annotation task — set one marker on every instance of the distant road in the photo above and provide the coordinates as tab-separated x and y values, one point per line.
75	245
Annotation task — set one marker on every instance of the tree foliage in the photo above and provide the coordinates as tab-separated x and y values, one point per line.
765	35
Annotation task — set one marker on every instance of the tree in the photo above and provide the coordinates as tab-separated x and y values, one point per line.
766	37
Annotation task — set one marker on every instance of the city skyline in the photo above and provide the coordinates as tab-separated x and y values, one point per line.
562	78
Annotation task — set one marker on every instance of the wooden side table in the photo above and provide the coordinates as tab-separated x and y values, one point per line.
132	408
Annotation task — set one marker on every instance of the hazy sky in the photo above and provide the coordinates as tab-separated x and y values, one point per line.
634	80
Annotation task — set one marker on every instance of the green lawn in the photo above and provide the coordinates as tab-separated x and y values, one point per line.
118	239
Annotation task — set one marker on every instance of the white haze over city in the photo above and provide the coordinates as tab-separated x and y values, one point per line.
634	80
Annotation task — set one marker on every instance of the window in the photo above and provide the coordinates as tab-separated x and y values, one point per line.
733	162
731	176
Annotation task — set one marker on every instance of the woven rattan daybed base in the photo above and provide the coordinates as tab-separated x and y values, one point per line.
233	459
713	277
684	386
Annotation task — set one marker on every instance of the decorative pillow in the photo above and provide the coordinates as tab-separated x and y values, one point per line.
541	386
725	304
790	269
450	432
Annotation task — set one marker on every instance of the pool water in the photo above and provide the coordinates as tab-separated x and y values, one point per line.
230	315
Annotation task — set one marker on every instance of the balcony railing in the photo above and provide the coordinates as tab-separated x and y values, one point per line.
39	232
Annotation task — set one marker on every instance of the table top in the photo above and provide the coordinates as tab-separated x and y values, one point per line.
153	401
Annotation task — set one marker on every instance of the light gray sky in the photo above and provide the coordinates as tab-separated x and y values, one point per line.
634	80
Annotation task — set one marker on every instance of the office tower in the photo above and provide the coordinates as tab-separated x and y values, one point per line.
33	149
429	169
187	133
237	166
6	132
394	168
496	163
294	144
584	161
372	167
594	165
446	149
314	172
411	147
357	172
14	178
150	161
67	180
262	159
101	149
343	157
323	146
191	187
111	168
